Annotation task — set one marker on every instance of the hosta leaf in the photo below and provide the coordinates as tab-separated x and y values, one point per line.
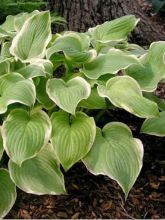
68	95
1	145
4	66
124	92
20	19
39	175
72	137
40	67
6	34
74	45
42	96
31	41
159	101
7	193
15	88
115	30
24	134
108	63
31	71
94	101
151	70
117	154
5	50
155	126
8	25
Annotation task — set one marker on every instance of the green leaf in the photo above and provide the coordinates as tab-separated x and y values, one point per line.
5	50
159	101
4	34
8	25
1	145
42	96
39	175
124	92
155	126
151	70
68	95
31	41
117	154
20	19
94	101
25	134
4	66
115	30
15	88
74	46
38	68
111	62
7	193
72	137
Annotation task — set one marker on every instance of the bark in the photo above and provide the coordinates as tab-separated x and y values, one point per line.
82	14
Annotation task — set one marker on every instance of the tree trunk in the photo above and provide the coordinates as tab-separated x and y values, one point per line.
82	14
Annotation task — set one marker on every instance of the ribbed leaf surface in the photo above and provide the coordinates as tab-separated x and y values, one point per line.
124	92
115	30
155	126
72	137
73	45
117	154
68	95
15	88
151	70
111	62
39	175
24	134
31	41
7	193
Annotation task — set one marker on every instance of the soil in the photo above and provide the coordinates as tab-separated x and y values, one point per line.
158	17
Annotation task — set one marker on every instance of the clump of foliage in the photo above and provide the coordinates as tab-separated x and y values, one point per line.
158	5
13	7
50	88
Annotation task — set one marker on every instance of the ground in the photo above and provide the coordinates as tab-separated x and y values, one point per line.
92	196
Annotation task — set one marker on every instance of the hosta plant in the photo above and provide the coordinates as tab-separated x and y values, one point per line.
53	90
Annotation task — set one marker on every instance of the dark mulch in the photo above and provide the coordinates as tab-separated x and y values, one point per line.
92	196
148	9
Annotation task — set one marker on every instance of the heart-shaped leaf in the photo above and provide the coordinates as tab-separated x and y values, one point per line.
115	30
117	154
39	175
68	95
72	137
31	41
24	134
124	92
15	88
155	126
108	63
151	70
7	193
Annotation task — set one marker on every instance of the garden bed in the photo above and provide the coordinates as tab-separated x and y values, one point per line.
92	196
